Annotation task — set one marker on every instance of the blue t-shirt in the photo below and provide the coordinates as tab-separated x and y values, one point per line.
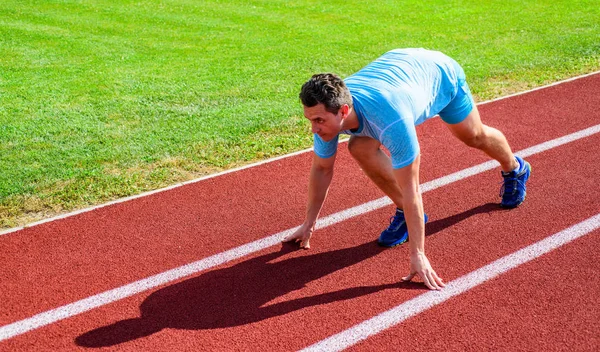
393	94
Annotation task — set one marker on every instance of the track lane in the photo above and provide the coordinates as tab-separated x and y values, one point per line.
166	277
549	304
96	251
350	281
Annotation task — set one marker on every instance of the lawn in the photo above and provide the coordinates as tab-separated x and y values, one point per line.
104	99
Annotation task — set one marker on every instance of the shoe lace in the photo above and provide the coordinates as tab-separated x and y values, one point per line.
510	185
396	221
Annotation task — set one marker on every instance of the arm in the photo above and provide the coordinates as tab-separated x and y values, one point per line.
408	181
321	173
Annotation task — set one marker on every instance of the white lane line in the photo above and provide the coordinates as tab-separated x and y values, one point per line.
116	294
456	287
121	200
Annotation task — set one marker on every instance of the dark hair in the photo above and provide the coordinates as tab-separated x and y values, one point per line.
327	89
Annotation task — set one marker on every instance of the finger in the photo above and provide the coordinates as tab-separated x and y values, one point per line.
305	244
426	281
409	277
438	280
289	238
431	282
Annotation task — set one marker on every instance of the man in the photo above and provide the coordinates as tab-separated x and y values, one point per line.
381	105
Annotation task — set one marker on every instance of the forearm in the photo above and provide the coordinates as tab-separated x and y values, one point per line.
408	181
319	182
412	204
414	217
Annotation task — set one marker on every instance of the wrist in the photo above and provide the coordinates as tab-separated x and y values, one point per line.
417	253
310	224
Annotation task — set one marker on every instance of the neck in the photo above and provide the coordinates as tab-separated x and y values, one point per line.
351	121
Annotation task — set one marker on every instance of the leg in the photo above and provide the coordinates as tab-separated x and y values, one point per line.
516	173
487	139
376	165
472	132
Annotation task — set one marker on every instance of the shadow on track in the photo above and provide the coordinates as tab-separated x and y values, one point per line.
238	294
436	226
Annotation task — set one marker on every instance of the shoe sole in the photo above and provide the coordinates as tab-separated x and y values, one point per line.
393	244
527	175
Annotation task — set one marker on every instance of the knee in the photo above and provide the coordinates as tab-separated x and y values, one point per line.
363	148
358	149
475	140
354	148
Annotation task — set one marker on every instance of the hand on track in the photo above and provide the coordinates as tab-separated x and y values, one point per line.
419	265
301	236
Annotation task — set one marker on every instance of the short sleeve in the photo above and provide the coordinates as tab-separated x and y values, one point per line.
325	149
400	138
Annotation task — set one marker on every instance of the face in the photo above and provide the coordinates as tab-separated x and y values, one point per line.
324	123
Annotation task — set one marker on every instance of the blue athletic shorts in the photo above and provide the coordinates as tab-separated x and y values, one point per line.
459	108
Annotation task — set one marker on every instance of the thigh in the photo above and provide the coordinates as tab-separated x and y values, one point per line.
469	128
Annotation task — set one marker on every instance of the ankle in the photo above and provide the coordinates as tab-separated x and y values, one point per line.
514	166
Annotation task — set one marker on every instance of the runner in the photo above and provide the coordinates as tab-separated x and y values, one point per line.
381	105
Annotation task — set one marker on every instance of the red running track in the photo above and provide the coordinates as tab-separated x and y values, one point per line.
282	299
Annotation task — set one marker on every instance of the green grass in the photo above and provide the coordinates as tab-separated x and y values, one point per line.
105	99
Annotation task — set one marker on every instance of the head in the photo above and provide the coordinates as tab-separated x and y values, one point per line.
327	102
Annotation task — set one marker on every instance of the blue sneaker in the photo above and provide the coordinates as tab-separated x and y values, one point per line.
513	190
397	232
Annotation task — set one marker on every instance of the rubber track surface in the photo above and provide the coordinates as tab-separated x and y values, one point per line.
283	299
